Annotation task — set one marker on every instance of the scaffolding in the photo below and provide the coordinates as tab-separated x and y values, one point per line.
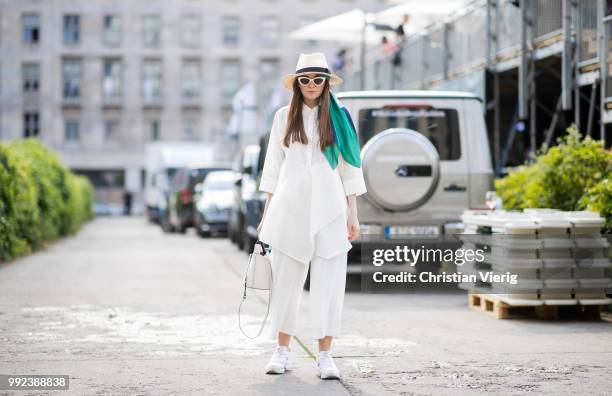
545	64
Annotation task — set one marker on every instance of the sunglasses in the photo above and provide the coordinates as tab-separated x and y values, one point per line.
318	80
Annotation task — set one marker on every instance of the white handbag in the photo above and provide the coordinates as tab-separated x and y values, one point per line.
257	276
259	269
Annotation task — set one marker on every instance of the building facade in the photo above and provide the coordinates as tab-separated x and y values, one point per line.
98	79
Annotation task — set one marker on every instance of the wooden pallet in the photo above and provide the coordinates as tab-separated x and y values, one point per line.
495	306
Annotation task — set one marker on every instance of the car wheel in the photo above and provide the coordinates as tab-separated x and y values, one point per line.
240	235
248	242
166	226
231	233
353	282
150	218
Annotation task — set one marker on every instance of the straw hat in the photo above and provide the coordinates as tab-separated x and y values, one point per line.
311	63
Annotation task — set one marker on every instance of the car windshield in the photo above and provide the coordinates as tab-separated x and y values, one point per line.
218	184
171	172
198	175
250	159
440	126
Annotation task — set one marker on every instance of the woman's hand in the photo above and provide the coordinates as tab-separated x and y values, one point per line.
352	222
353	226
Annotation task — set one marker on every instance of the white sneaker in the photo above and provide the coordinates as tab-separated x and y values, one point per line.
279	362
326	366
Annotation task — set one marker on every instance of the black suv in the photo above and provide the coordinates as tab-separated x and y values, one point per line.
249	202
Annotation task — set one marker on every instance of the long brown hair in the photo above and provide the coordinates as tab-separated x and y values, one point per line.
295	124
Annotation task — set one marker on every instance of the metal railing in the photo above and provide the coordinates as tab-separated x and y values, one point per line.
607	62
548	15
459	45
587	33
434	50
466	42
508	28
412	69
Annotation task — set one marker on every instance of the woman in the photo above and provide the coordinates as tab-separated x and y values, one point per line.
312	174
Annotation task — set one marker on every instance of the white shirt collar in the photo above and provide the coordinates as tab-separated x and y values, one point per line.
308	111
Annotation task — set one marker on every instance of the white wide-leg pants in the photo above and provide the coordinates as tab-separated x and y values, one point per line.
327	284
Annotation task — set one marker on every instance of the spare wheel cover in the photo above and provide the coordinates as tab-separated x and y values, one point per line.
401	169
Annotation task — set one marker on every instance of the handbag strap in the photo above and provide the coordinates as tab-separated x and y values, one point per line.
265	319
244	296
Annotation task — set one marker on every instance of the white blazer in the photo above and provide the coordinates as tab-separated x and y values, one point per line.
308	193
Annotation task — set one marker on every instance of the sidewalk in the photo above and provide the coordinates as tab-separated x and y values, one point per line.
125	309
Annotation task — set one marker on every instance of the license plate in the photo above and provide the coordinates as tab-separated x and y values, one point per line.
398	231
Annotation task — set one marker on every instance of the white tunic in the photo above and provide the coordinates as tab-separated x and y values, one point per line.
308	194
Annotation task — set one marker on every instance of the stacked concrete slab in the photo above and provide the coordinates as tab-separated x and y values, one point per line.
560	257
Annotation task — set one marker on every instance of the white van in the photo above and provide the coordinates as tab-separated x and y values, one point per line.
162	160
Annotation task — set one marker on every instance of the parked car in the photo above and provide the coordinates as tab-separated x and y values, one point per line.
425	158
247	207
213	202
180	208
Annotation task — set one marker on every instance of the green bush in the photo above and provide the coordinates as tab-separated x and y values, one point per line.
568	176
599	199
47	176
18	211
79	203
512	187
40	200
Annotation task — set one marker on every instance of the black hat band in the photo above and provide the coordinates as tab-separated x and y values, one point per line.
313	70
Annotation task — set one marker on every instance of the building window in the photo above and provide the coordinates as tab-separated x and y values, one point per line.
151	81
112	30
72	29
71	131
307	20
231	30
154	130
104	179
270	29
143	178
191	79
111	128
191	28
111	79
30	124
31	28
230	79
151	29
189	129
72	78
30	75
269	70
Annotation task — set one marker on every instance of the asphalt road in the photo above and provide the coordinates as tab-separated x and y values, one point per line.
124	309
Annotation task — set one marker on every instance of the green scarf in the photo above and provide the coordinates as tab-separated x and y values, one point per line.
346	141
